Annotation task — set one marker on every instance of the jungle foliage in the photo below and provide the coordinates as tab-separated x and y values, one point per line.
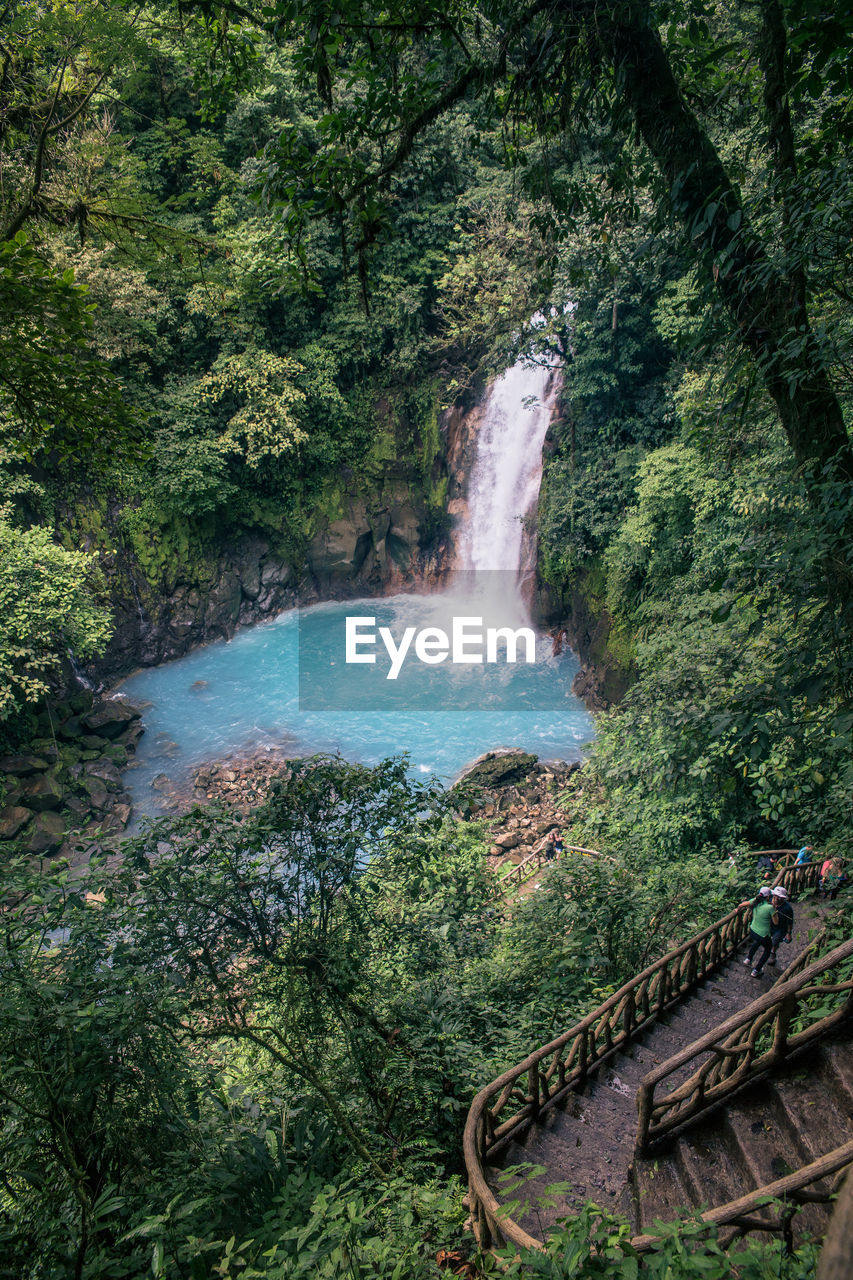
249	1049
229	230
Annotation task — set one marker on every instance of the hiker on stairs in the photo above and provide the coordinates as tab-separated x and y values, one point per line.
782	924
760	925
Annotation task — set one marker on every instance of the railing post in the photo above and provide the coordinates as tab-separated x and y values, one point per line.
692	967
582	1057
533	1089
629	1015
645	1100
784	1014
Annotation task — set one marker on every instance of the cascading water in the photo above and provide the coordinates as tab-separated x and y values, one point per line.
249	694
495	557
507	471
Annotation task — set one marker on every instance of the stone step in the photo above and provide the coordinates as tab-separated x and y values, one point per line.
768	1148
838	1060
817	1104
660	1194
585	1147
704	1160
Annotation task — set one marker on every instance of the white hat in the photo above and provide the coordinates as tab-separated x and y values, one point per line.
780	891
764	891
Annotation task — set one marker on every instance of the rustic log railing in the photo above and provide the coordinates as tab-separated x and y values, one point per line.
770	1208
747	1045
524	1091
547	1074
530	865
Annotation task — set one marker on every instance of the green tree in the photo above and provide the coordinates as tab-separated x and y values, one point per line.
57	397
46	609
639	67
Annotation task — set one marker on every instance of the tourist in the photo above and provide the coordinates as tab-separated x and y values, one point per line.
782	924
558	843
760	925
804	856
551	845
767	864
830	878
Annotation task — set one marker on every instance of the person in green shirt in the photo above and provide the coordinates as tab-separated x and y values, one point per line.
760	926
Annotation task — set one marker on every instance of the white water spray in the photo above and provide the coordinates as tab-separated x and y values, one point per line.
506	475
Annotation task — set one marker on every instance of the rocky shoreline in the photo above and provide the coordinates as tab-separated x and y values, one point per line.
517	797
67	789
514	794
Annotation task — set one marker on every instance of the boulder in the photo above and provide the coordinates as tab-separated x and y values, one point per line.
93	742
110	718
131	736
23	766
96	791
508	840
12	819
498	768
70	730
117	753
106	771
40	794
123	812
46	833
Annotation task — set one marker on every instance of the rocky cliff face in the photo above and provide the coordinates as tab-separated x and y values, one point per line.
373	535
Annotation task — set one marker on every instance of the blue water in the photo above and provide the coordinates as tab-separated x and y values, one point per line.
231	699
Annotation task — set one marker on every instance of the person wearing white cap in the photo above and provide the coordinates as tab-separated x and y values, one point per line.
782	924
760	925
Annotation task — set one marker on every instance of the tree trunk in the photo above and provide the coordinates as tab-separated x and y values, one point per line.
762	303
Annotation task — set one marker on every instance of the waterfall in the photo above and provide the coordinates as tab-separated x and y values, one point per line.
505	477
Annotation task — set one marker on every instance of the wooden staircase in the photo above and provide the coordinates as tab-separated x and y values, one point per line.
770	1130
694	1151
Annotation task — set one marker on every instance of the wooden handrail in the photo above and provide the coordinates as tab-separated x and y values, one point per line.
553	1070
740	1213
735	1059
761	853
561	1065
535	859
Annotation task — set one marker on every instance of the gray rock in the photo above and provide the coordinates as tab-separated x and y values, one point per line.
96	791
509	840
12	819
131	736
123	812
109	719
251	581
41	794
46	833
275	573
70	730
498	768
22	766
106	771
